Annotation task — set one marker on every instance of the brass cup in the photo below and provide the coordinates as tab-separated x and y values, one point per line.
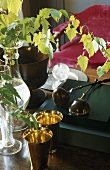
38	144
51	119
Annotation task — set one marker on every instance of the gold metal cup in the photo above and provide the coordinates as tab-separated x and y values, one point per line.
51	119
38	144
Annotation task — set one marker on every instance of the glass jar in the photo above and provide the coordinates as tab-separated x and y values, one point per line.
11	56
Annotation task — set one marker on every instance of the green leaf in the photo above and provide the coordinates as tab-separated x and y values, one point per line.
76	23
37	22
35	122
43	48
50	51
107	53
26	120
12	89
70	32
7	94
90	49
5	20
95	45
64	13
83	62
56	14
45	25
106	67
102	43
38	38
100	71
45	12
81	29
6	76
3	4
28	39
15	112
52	38
14	6
88	44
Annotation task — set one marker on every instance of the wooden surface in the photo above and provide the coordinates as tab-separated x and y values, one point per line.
91	73
66	158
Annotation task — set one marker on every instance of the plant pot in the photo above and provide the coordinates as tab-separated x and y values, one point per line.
38	144
34	71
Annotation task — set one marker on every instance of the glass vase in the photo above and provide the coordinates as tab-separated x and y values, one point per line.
8	145
11	56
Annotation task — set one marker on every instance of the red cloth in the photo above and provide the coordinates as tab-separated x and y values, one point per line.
97	19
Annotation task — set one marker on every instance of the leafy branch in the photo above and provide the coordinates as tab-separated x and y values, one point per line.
34	30
91	44
8	95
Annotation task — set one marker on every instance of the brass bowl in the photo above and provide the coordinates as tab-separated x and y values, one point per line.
49	117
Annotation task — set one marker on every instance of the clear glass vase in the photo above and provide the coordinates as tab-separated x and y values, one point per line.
11	56
8	145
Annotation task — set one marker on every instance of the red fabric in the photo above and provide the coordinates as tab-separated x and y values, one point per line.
69	56
97	18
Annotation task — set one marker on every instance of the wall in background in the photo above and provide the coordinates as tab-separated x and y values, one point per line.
79	5
31	7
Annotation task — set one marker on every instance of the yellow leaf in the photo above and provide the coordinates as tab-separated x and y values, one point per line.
71	33
81	29
76	23
90	49
52	38
87	43
8	19
107	53
83	38
106	66
83	62
3	4
72	18
14	6
35	39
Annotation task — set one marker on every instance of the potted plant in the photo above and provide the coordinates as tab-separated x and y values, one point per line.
36	31
15	32
91	44
38	139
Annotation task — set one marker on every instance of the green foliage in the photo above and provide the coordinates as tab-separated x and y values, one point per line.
12	6
7	92
64	13
5	77
25	116
70	32
100	71
8	95
86	39
107	53
31	30
83	62
91	44
106	66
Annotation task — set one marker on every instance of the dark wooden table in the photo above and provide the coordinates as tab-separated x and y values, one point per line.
66	158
